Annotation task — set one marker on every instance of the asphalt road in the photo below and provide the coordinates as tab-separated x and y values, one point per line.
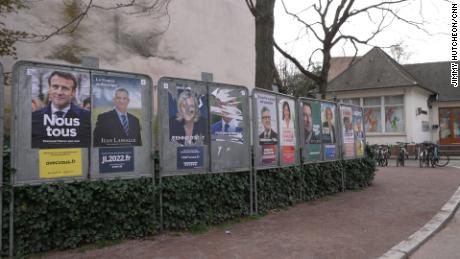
362	224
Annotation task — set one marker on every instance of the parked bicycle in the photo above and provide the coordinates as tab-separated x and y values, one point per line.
430	155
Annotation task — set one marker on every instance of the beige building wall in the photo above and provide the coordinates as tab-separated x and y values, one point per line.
188	38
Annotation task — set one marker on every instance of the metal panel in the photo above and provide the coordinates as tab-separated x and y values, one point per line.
28	78
184	126
1	150
269	127
114	152
230	128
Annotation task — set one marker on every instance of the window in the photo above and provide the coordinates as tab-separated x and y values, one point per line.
372	114
354	101
394	113
384	114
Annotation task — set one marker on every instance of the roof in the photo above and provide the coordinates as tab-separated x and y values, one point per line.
435	76
338	65
375	69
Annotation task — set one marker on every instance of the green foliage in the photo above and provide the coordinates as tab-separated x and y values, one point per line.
294	82
67	215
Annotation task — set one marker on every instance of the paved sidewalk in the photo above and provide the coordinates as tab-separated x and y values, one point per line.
444	245
362	224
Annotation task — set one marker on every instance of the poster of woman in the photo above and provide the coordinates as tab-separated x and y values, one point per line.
286	113
328	131
188	117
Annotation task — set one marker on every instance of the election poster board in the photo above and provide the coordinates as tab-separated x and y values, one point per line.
229	128
121	115
266	133
358	130
288	130
184	116
329	131
55	113
310	130
348	136
48	120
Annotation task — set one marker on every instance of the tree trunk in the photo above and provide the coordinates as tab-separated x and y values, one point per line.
265	23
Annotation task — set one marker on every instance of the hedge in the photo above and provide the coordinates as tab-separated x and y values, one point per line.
67	215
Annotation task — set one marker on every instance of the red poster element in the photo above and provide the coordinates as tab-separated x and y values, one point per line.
268	154
288	154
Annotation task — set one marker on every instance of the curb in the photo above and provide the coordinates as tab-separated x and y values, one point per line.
407	247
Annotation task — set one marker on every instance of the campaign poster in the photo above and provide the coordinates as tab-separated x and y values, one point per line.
226	115
286	115
329	152
358	131
58	163
116	111
113	160
60	118
190	157
312	129
267	128
188	117
347	131
328	127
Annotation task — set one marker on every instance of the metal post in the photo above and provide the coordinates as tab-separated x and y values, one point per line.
161	206
251	191
255	192
11	250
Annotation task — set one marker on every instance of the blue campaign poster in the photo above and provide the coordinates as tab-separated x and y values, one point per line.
112	160
190	157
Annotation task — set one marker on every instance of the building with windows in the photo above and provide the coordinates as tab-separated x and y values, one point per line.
402	103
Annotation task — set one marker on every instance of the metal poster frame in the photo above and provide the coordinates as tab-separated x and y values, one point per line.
163	83
247	132
255	135
20	140
148	141
361	109
2	118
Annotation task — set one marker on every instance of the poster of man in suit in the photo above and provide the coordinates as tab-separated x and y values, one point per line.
226	115
58	120
267	122
117	110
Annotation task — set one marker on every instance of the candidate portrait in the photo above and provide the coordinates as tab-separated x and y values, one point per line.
117	127
60	122
268	136
230	116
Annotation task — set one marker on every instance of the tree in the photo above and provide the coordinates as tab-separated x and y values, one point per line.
328	28
8	36
293	82
265	22
77	11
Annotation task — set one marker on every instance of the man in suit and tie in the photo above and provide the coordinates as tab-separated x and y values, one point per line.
268	136
227	124
117	127
61	123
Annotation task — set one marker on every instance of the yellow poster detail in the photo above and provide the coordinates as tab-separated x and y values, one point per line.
56	163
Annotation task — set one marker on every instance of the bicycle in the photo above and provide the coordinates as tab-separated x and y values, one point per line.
431	155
